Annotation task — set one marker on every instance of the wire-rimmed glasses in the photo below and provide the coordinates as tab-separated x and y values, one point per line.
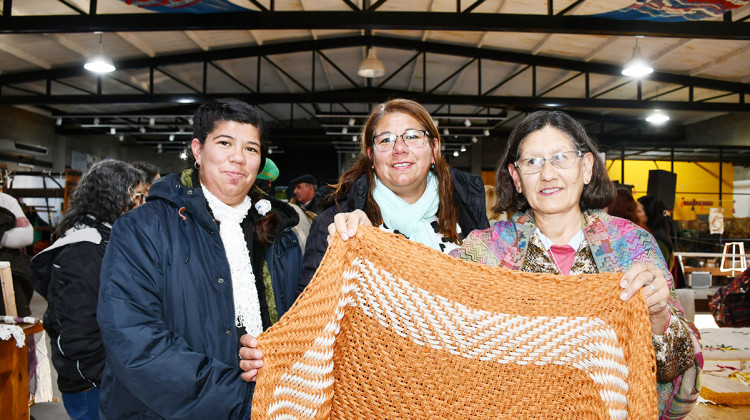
562	160
385	142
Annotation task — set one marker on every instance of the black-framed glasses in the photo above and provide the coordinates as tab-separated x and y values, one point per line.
562	160
385	142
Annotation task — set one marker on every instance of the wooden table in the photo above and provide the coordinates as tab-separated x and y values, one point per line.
14	380
719	412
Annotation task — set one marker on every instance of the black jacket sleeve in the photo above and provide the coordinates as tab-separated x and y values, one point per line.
77	281
317	244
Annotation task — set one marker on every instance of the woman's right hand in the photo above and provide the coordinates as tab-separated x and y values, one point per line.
346	224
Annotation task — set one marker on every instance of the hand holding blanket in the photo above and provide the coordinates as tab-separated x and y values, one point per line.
389	328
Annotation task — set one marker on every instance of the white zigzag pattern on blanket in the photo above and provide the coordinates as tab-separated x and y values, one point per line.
436	322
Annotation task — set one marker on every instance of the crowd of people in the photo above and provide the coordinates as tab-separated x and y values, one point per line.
159	285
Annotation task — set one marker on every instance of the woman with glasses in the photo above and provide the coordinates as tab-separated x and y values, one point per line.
552	175
66	274
401	182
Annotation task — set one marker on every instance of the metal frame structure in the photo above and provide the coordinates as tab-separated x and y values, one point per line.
74	85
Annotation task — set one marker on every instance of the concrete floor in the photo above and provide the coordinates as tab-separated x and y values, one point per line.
52	410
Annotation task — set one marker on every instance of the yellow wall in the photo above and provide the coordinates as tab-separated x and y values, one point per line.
697	184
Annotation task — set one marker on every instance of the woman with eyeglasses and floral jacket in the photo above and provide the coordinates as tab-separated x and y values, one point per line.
401	182
552	174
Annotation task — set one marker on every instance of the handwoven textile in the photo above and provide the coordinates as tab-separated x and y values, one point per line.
389	328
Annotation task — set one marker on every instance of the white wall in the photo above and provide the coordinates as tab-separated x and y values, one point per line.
742	198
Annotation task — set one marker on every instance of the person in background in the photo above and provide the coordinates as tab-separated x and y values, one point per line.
16	233
305	192
401	182
657	221
66	274
207	259
551	173
624	206
267	176
152	174
490	197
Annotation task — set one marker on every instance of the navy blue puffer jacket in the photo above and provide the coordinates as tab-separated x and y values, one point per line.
166	308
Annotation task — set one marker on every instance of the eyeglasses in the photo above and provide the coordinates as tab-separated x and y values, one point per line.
385	142
562	160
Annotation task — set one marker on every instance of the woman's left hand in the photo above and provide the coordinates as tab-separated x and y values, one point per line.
655	289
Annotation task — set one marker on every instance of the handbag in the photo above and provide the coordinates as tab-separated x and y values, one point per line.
730	305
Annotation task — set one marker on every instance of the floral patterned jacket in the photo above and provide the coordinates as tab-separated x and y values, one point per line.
615	244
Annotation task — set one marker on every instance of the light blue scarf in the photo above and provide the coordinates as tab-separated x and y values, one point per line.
412	220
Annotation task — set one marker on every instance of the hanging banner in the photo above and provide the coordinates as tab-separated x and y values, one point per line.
188	6
716	220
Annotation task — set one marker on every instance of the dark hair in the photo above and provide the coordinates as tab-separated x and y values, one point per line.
104	192
624	206
655	209
447	214
150	170
597	194
216	111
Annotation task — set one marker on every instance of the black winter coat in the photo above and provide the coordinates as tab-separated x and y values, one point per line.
468	196
166	307
67	275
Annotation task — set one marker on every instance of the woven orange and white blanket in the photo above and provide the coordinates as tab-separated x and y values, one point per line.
389	328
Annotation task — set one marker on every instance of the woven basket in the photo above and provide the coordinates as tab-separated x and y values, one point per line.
389	328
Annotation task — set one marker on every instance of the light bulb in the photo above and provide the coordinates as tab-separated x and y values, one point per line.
657	117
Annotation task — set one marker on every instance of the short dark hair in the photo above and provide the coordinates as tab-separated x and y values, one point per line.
104	192
215	111
150	170
597	194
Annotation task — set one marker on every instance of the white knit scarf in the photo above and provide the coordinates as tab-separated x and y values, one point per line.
246	305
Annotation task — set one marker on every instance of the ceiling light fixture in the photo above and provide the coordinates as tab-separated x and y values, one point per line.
171	137
463	148
446	132
467	122
344	130
352	121
455	153
657	117
371	66
354	138
637	66
474	139
100	63
112	131
486	132
121	137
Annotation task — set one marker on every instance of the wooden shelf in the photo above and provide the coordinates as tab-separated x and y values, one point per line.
715	271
